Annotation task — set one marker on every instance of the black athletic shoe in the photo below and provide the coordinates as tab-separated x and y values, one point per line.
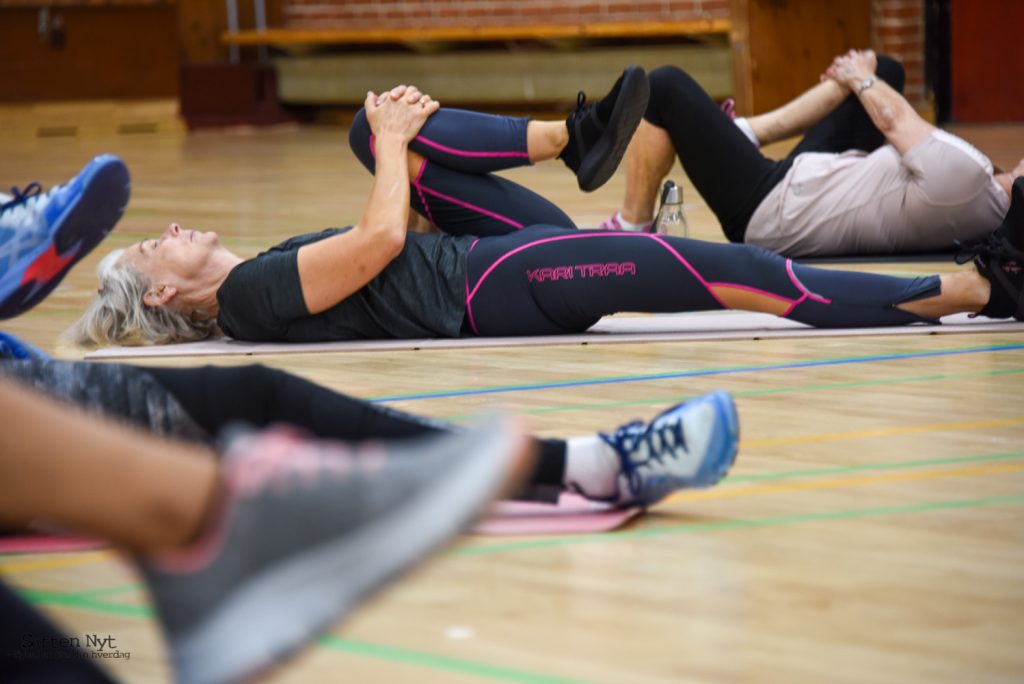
1001	260
600	131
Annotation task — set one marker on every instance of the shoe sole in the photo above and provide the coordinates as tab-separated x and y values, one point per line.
82	226
283	609
604	157
724	444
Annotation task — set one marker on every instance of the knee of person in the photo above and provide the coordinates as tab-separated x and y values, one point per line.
257	378
359	139
891	71
666	76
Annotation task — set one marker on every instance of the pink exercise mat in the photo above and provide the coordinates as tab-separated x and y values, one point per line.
46	543
571	515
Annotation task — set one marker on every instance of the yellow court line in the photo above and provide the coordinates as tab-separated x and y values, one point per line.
36	563
33	564
887	432
837	483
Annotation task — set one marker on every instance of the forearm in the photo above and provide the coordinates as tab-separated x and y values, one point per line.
387	209
330	270
797	116
93	477
890	112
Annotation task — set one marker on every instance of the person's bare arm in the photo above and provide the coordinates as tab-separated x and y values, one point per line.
798	115
331	270
889	111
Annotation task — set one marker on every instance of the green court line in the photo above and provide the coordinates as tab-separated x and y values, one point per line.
53	598
760	392
464	667
438	662
107	591
895	465
726	525
731	480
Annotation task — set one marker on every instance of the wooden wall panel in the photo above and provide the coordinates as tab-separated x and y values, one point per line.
780	47
987	62
101	52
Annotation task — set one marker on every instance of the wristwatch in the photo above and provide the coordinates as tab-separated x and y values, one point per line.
866	83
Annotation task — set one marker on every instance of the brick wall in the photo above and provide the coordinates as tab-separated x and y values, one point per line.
403	13
897	28
897	25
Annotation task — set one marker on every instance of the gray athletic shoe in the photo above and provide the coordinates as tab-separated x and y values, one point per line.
305	530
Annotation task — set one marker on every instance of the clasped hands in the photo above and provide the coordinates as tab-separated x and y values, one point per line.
400	111
851	68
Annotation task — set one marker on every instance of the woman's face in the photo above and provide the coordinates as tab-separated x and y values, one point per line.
177	258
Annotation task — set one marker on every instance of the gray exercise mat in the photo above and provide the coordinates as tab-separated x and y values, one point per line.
718	325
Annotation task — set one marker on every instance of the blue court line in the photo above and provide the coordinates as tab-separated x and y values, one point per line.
735	370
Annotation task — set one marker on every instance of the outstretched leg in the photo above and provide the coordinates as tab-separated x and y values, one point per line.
548	281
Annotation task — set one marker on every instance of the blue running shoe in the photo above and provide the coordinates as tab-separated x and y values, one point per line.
688	446
44	234
19	350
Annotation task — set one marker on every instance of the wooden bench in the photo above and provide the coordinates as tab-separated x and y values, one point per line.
292	37
473	65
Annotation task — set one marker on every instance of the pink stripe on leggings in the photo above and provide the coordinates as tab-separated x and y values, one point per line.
467	153
807	294
419	191
480	210
490	269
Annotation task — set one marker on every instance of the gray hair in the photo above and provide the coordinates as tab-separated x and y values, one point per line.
119	316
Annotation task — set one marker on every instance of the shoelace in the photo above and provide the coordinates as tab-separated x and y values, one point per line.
21	215
22	196
996	246
630	437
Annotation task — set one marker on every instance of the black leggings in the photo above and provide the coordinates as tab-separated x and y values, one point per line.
195	404
732	175
532	273
546	280
260	396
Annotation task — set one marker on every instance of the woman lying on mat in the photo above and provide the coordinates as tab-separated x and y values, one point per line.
509	263
869	177
689	445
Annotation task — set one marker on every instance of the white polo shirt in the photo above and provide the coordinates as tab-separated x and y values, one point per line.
941	190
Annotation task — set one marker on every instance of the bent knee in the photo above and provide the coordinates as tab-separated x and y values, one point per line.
892	72
360	139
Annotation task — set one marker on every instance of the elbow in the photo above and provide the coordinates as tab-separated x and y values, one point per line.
888	120
391	241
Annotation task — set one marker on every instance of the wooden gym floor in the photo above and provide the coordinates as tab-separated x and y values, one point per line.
870	531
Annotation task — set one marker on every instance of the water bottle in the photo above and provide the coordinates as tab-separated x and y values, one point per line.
671	219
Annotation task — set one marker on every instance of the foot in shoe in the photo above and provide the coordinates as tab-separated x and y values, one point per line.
600	131
617	223
43	234
306	529
690	445
1000	260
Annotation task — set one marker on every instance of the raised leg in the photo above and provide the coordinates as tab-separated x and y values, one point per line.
453	187
731	174
848	126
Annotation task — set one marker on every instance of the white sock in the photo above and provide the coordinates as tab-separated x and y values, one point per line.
627	225
744	125
591	467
